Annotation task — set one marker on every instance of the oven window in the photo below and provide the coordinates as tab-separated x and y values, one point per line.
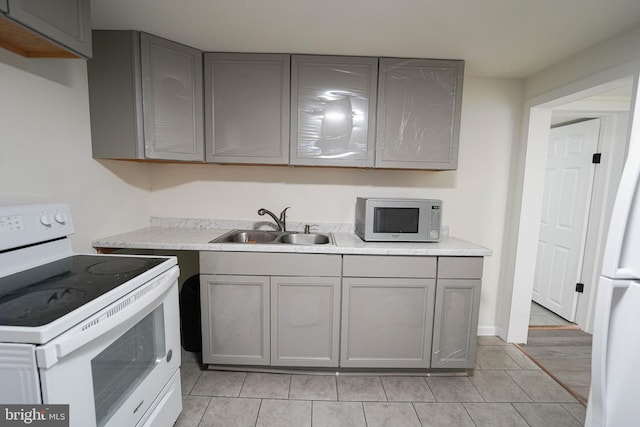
396	220
124	364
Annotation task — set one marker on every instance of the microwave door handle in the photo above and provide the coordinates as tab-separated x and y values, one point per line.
49	354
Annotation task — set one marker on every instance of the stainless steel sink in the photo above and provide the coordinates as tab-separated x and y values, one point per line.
305	239
247	236
274	237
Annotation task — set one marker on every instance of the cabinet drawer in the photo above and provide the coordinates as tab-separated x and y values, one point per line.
459	267
389	266
269	264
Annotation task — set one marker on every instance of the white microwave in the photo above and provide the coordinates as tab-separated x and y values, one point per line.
398	220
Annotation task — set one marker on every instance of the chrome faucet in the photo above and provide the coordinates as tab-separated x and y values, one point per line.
280	222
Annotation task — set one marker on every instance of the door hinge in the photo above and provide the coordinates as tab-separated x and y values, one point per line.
596	158
580	287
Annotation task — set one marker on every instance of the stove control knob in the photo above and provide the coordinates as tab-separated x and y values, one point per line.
46	220
61	218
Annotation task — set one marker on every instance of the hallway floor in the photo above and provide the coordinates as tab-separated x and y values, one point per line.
505	389
561	348
565	354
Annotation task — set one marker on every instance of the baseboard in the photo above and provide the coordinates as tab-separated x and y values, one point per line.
487	331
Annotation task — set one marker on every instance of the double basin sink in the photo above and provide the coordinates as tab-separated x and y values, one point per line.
274	237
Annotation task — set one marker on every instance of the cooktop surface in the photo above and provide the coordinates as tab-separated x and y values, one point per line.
42	294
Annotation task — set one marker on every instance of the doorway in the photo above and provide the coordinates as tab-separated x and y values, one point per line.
575	101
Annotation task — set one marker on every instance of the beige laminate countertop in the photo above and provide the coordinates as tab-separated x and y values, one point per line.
176	236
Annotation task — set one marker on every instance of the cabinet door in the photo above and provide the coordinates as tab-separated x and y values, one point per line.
305	319
235	319
172	100
455	323
386	323
332	104
418	113
67	22
247	108
115	95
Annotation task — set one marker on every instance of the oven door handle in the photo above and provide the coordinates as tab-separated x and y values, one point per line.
121	311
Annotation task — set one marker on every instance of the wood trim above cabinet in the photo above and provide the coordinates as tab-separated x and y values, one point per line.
24	42
46	29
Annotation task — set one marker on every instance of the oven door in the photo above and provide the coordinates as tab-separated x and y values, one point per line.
112	367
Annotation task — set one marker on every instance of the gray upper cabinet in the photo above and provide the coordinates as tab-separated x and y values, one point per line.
418	115
333	104
247	108
172	99
66	23
145	96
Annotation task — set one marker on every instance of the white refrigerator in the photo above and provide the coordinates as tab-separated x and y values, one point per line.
614	398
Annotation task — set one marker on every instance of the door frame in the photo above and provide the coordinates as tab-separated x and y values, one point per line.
526	191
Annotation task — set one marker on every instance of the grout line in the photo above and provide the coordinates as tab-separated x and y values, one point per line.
386	398
258	414
205	411
556	379
364	414
415	411
244	378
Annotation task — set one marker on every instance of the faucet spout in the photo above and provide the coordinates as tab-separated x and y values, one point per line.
281	222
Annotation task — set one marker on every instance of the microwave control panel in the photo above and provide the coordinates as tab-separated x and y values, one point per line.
435	221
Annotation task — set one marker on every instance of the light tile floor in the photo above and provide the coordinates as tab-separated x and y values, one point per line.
505	389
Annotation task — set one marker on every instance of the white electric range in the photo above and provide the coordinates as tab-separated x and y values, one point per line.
97	332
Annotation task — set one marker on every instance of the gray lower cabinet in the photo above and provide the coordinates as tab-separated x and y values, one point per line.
66	23
235	323
305	321
247	108
418	114
333	110
278	309
386	322
352	311
456	312
387	311
145	98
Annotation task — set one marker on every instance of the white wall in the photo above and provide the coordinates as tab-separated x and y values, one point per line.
614	52
474	196
45	155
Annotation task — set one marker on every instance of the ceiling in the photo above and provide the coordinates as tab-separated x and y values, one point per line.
496	38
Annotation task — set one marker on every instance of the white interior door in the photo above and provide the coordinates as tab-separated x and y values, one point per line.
565	209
